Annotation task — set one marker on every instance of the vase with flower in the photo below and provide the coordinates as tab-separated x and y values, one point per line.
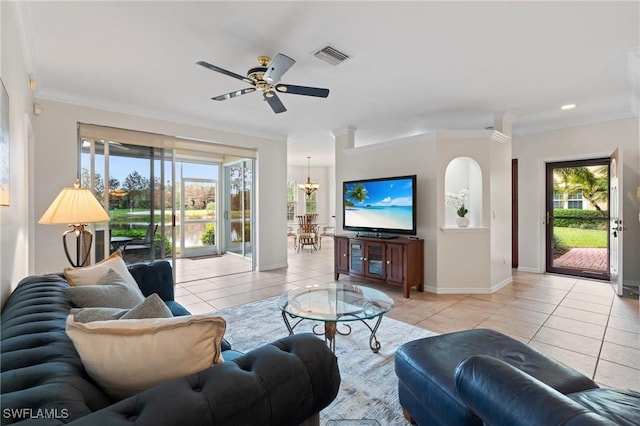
457	201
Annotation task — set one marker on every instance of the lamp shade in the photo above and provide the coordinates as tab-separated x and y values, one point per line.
74	206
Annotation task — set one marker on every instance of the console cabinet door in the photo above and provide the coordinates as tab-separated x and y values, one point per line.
374	260
341	249
356	257
395	263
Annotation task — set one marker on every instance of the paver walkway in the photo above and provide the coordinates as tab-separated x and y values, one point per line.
586	259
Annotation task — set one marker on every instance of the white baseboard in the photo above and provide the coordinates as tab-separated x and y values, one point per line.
469	290
272	267
527	269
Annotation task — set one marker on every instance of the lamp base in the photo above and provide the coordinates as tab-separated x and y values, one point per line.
84	239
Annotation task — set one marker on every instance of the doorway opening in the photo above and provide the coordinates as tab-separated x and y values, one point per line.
577	218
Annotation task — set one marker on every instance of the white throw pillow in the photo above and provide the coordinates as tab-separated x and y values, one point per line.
94	274
129	356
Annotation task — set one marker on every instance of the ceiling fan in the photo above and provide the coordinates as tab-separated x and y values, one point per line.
266	78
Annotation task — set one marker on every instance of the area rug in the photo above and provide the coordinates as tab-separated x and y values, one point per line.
369	386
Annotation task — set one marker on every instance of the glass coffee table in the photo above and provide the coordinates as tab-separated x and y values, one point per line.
334	304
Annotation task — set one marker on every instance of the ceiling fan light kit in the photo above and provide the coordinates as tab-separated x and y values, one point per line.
266	78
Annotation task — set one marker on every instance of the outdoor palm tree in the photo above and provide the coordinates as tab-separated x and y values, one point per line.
591	182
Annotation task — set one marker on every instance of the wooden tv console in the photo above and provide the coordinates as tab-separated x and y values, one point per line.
397	261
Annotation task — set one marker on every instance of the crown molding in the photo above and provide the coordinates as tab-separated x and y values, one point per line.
88	102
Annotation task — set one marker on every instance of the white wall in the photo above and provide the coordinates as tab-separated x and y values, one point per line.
56	157
476	259
14	232
591	141
415	155
325	194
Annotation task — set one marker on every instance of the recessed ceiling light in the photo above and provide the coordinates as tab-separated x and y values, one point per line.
568	106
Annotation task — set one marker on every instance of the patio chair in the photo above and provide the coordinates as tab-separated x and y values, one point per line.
291	232
308	231
140	249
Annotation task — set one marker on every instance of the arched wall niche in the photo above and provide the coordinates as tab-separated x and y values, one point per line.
461	173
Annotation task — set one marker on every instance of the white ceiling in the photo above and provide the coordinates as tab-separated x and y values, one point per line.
414	67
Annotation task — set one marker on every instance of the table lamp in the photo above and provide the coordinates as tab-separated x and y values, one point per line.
75	207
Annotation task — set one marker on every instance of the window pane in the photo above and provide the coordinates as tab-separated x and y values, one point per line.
291	200
310	204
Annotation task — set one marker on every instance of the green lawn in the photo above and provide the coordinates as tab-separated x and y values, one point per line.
575	237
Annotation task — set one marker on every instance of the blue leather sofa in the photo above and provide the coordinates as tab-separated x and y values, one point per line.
483	377
43	381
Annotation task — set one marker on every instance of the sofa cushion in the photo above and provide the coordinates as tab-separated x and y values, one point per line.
112	292
95	274
620	406
151	307
176	309
128	356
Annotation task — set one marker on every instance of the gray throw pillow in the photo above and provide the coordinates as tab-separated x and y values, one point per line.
112	292
151	307
97	314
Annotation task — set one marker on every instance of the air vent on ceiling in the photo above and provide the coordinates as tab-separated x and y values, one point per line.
330	55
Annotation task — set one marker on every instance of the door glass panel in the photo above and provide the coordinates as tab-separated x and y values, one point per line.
198	205
356	257
578	218
238	210
92	176
136	198
374	259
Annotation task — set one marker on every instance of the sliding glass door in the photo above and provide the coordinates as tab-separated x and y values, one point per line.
238	213
198	208
137	194
170	198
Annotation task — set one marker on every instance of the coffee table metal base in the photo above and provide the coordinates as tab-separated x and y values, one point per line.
331	329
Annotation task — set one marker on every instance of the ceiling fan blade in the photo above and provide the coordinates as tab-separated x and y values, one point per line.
302	90
234	94
276	69
223	71
274	102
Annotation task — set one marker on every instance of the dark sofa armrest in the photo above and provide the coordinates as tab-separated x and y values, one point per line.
282	383
500	394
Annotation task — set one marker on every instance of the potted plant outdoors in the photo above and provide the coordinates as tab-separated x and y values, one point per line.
457	201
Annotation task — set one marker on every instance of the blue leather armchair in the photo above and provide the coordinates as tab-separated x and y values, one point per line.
483	377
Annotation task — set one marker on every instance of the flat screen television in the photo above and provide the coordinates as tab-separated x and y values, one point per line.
382	207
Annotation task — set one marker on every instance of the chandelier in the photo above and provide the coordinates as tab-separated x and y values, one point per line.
308	187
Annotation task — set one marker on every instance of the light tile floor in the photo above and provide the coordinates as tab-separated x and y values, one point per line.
580	323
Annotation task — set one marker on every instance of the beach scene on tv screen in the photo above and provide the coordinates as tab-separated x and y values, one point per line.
379	204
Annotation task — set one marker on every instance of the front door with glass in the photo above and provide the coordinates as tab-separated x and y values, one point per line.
578	218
